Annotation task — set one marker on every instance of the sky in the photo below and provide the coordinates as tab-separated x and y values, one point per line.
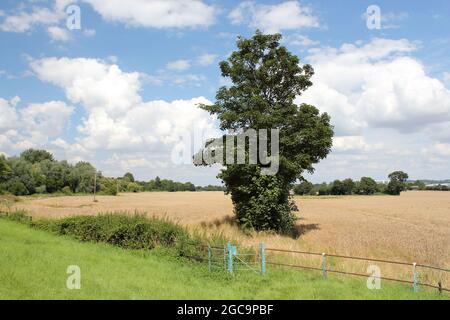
118	83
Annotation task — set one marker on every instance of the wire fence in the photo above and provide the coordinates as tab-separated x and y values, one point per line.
227	258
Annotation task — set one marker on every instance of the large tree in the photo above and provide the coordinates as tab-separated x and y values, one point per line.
397	183
266	78
366	186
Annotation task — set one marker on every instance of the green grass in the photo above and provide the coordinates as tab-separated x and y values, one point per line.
33	265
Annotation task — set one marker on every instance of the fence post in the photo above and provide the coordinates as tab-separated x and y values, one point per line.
324	265
414	277
209	258
224	257
230	258
262	252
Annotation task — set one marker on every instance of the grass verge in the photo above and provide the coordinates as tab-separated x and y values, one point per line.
33	265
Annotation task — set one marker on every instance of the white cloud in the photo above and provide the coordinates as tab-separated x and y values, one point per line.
91	82
26	20
89	32
9	118
300	40
117	119
376	85
178	65
156	13
207	59
32	125
288	15
44	120
351	144
58	34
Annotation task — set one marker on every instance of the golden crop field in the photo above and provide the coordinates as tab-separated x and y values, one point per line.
414	227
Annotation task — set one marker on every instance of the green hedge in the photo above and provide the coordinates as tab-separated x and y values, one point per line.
122	230
128	231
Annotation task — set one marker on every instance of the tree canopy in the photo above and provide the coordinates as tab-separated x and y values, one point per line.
266	78
397	183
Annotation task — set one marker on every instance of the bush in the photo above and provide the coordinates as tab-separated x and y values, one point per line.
305	187
108	186
122	230
133	187
41	189
127	231
67	191
16	187
18	216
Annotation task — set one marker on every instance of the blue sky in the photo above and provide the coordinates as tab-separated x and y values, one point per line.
120	90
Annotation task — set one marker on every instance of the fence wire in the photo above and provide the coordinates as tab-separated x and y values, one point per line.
251	262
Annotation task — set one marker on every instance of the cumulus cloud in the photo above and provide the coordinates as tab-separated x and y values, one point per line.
179	65
300	40
58	34
354	144
156	13
32	125
117	118
24	21
287	15
207	59
376	85
93	83
51	16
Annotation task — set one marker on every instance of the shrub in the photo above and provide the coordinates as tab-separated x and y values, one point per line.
67	191
108	186
305	187
18	216
41	189
17	188
122	230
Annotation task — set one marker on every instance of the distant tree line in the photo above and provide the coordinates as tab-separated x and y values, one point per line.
365	186
37	172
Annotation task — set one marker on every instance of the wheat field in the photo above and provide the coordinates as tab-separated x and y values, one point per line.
414	227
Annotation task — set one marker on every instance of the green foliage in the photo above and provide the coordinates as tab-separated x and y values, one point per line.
17	216
41	189
304	188
348	185
16	187
35	156
366	186
439	187
131	274
337	188
5	169
108	186
128	177
82	178
66	190
36	171
122	230
397	183
266	78
133	187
